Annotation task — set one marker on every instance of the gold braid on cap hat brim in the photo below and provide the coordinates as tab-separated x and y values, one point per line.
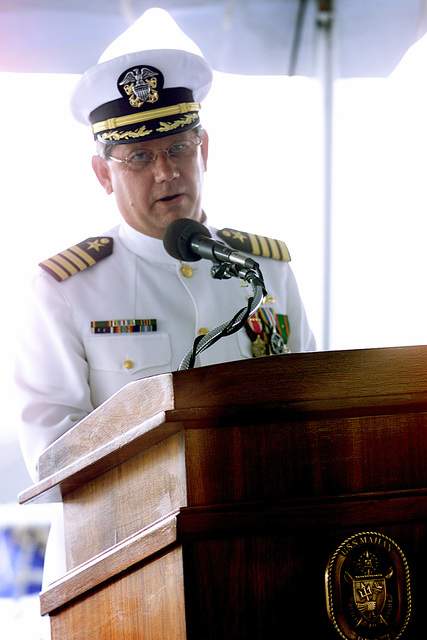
154	114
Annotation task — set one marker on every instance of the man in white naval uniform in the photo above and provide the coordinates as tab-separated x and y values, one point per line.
118	307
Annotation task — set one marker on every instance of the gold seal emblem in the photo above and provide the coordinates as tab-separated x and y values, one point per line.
368	589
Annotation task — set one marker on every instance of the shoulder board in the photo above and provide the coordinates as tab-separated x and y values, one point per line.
77	258
256	245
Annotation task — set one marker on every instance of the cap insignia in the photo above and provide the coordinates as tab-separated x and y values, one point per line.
145	108
255	244
140	85
77	258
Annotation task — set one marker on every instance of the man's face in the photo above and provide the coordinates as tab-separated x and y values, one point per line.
163	191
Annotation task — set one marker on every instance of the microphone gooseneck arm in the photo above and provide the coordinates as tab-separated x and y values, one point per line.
227	328
189	240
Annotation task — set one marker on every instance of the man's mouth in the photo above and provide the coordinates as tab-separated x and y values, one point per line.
170	198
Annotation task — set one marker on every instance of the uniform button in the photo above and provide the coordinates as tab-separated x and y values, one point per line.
203	331
128	364
186	270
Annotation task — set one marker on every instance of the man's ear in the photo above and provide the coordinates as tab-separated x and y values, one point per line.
205	148
102	171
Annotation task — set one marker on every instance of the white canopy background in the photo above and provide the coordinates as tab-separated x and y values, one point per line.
332	160
354	219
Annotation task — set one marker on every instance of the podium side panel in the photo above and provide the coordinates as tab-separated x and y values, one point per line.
124	500
144	604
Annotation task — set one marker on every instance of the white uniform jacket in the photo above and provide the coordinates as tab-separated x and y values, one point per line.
64	370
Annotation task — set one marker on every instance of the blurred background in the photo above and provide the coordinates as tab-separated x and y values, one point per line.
317	136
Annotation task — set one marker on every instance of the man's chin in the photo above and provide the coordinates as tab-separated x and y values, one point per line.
183	213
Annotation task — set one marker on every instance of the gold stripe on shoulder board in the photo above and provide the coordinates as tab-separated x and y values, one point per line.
77	258
255	244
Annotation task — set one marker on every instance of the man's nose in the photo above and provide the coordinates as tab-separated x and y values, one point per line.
164	167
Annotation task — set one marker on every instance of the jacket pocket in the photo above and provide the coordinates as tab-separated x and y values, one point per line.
128	354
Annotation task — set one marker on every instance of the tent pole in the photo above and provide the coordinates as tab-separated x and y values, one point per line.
325	44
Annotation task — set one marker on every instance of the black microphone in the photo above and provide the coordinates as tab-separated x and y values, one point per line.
189	240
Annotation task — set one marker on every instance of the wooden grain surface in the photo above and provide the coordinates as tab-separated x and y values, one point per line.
215	517
147	602
347	383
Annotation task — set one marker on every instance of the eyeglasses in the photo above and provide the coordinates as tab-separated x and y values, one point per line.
140	159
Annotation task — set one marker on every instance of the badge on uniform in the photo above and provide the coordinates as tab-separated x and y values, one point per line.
268	331
142	325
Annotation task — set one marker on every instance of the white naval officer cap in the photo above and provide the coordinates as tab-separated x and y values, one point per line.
142	95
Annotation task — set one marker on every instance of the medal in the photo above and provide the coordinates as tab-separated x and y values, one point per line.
276	342
259	348
277	346
283	324
255	331
269	332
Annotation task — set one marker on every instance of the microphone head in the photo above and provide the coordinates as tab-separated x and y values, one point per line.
178	236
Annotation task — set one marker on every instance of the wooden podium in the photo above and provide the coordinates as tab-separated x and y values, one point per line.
207	504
